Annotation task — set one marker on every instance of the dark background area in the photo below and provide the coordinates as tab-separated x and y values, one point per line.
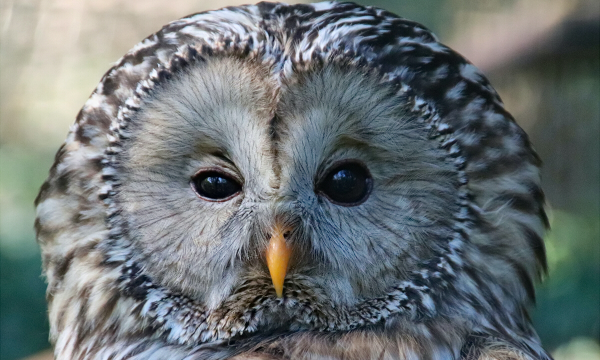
541	55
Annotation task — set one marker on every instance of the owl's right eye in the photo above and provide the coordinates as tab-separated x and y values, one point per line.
214	185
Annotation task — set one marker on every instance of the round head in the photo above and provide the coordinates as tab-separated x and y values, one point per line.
272	168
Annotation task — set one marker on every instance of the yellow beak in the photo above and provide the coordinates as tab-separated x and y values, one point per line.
278	256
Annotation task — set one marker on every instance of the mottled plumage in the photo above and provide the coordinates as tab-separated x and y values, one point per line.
435	258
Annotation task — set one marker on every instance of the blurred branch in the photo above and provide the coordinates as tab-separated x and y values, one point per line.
530	30
44	355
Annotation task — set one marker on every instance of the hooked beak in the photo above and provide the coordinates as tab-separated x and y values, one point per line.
278	256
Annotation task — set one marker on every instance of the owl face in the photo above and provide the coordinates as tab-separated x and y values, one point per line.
215	162
278	170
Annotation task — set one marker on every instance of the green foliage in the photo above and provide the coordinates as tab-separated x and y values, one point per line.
23	321
568	303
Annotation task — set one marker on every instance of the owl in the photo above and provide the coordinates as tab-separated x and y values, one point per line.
272	181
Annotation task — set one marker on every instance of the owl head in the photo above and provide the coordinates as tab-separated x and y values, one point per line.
253	177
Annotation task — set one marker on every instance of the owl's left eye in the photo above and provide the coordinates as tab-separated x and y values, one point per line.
347	184
214	185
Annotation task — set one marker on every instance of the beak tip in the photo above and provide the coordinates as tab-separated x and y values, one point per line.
278	255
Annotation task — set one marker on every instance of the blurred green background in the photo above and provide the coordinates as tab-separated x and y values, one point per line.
541	55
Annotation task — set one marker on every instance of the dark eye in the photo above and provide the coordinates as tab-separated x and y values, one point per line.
347	184
214	185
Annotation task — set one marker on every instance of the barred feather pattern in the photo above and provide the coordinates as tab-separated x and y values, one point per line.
467	302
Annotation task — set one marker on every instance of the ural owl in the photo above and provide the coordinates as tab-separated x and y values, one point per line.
321	181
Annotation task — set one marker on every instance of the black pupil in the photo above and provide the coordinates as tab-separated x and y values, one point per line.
348	184
214	185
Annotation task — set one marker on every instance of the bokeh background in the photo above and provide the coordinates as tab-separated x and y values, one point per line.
541	55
